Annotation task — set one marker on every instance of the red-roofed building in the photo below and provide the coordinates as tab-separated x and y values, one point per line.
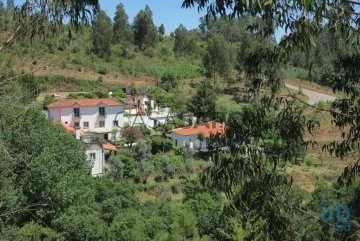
189	134
90	115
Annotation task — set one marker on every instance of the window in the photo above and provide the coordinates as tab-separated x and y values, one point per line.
101	123
77	112
102	111
76	124
115	123
92	156
86	124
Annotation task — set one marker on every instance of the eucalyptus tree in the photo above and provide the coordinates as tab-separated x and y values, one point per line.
42	18
203	103
161	30
248	172
122	29
102	35
145	31
219	58
185	42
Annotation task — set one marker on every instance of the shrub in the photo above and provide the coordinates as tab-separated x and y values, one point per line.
48	100
76	60
102	70
169	80
309	161
149	52
160	144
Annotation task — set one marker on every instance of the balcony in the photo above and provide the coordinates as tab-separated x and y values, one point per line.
76	115
101	115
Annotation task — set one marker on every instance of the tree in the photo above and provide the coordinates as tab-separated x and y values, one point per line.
130	136
162	30
143	159
202	105
145	32
102	35
37	18
10	6
121	28
169	80
185	41
53	174
201	138
219	59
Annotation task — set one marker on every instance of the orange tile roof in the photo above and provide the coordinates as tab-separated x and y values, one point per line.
109	147
67	127
206	128
84	102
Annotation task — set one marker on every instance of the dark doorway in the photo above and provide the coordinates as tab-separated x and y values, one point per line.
106	136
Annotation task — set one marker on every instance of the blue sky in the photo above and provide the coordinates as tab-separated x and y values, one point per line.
168	12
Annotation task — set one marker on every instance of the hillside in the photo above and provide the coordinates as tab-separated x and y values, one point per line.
244	158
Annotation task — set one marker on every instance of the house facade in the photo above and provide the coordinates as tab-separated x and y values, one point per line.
98	116
189	134
96	157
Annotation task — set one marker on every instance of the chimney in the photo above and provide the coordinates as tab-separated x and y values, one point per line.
128	89
110	95
193	121
77	133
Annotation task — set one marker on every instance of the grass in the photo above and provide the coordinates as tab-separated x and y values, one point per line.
75	59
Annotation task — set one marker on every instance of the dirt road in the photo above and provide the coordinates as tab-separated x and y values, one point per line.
314	96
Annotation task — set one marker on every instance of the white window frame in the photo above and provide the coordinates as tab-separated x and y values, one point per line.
100	122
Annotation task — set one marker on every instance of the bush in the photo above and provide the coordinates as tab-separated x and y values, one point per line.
169	80
102	70
48	100
76	60
149	52
160	144
309	161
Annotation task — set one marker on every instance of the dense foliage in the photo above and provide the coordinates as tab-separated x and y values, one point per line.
152	190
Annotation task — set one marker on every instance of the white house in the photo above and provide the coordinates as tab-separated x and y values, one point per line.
189	134
96	158
99	116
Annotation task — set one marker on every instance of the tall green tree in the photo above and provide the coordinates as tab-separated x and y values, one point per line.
53	173
203	103
143	158
10	6
219	59
145	31
162	30
185	41
121	28
102	35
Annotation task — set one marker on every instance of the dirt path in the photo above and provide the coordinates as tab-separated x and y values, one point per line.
314	96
